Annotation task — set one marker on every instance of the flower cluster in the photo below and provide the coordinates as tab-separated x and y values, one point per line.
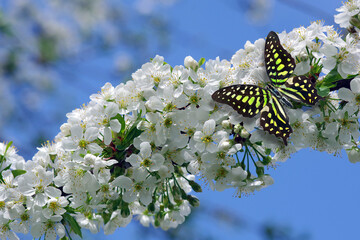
42	40
137	149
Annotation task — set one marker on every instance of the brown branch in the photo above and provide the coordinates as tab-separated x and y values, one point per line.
343	83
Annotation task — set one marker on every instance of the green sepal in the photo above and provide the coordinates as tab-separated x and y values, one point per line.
2	157
73	224
266	160
201	62
260	171
1	177
125	211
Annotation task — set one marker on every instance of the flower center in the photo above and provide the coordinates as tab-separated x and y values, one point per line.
138	186
357	99
168	122
206	139
146	162
221	173
221	155
54	206
194	99
83	143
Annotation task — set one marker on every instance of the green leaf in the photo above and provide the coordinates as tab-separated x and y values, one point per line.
323	91
133	133
18	172
73	224
328	82
332	76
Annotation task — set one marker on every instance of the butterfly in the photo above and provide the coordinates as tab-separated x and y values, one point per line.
249	100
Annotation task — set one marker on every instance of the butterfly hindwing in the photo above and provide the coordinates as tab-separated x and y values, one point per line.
274	120
247	100
300	89
278	62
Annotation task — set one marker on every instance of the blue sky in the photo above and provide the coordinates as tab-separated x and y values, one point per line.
314	193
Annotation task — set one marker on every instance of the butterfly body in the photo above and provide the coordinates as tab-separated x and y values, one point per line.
249	100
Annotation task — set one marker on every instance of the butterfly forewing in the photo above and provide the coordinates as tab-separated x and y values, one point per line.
274	120
247	100
278	62
301	89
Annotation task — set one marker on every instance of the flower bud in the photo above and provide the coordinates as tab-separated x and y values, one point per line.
354	20
189	62
151	207
260	171
238	128
353	155
195	186
224	145
244	133
194	201
226	124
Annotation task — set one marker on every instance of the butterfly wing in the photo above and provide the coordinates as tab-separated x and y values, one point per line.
279	66
300	89
247	100
274	119
278	62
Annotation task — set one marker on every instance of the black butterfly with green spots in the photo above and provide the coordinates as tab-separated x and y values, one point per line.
249	100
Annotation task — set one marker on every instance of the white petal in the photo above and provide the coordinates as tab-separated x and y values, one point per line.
107	136
129	196
76	132
134	160
60	230
91	133
37	230
111	109
329	63
198	135
200	146
355	85
346	94
47	213
122	182
145	149
115	125
328	50
209	127
50	234
69	144
52	192
40	199
211	147
145	197
94	148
